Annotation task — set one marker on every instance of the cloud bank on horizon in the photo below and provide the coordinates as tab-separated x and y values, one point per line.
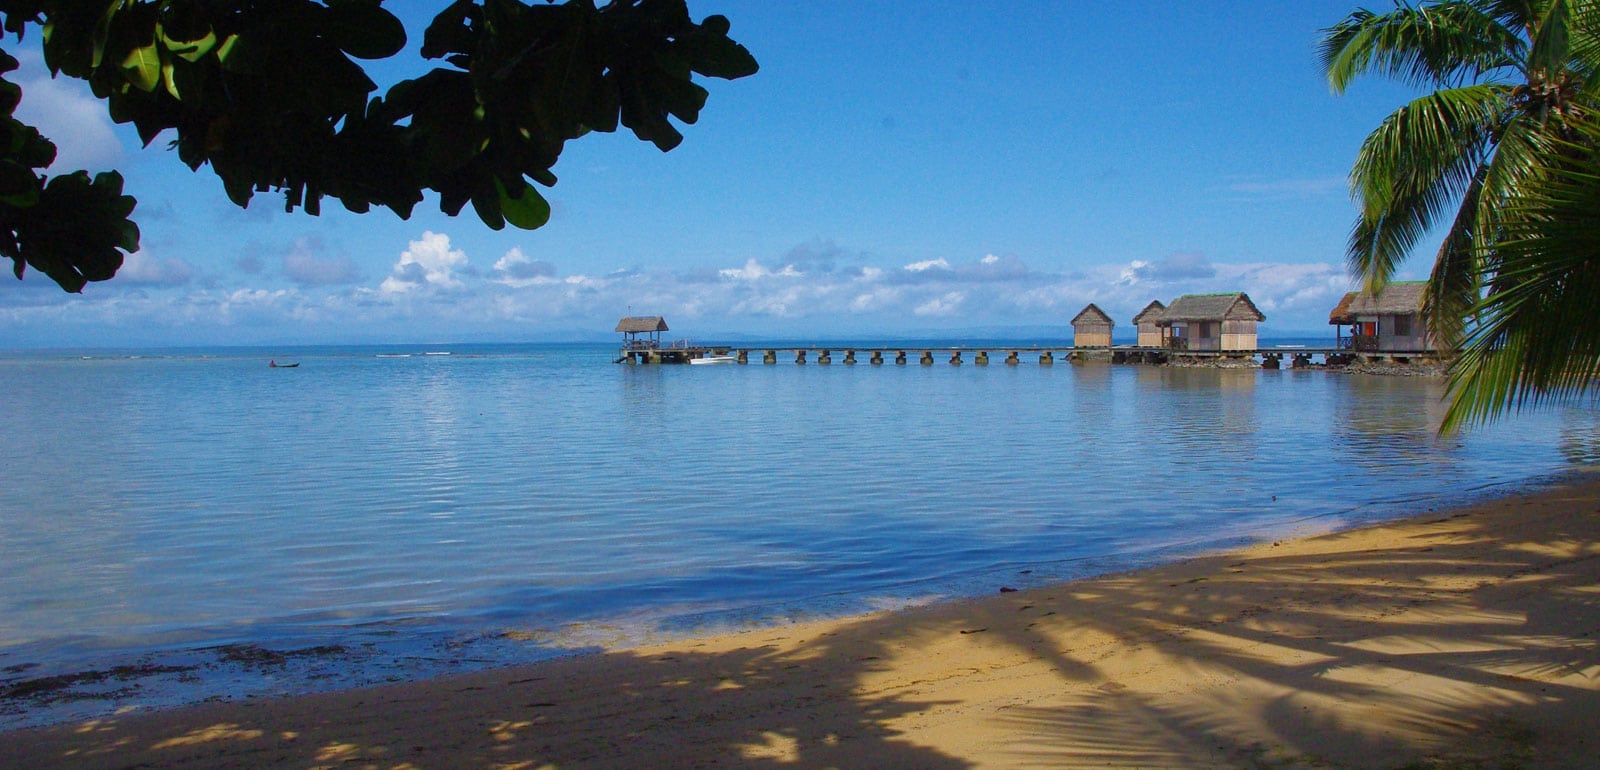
437	292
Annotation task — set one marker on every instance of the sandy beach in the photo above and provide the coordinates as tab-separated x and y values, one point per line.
1465	638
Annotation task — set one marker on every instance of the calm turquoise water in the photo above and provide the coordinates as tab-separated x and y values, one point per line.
218	528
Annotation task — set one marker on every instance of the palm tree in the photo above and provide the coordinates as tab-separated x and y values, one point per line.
1510	80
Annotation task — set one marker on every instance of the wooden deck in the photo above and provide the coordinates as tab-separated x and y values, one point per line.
983	355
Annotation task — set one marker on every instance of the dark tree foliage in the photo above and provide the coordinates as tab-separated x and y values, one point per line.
270	95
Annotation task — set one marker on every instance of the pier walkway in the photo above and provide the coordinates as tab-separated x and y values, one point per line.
983	355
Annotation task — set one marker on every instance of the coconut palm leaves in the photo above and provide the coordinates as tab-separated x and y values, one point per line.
1509	80
1535	334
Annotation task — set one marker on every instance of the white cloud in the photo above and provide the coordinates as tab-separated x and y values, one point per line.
1175	267
947	305
427	262
64	110
928	264
518	269
1138	271
754	271
144	269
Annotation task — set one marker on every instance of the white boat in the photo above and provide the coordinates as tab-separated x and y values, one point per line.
714	360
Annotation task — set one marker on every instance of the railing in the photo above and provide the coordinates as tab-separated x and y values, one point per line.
1364	343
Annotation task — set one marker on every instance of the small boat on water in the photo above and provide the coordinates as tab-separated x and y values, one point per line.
714	359
276	365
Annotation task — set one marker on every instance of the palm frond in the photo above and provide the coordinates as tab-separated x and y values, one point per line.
1583	51
1441	44
1552	39
1536	334
1455	283
1414	168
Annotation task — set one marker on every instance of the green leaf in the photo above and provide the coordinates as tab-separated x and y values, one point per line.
143	67
190	50
525	209
167	80
487	206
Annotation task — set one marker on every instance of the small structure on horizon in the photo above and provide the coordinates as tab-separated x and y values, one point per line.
641	332
1145	322
1210	322
1390	321
1091	328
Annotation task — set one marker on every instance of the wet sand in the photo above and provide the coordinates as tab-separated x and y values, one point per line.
1469	638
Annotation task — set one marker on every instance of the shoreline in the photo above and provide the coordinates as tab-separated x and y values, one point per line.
241	669
1461	636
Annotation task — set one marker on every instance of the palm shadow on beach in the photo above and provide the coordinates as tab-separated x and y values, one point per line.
1456	649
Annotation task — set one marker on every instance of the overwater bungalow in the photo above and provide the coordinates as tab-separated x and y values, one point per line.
1210	322
641	332
1091	328
1145	321
1390	321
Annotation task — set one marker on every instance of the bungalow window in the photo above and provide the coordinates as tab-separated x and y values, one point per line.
1402	325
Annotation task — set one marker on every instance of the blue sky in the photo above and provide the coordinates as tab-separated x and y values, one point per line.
894	168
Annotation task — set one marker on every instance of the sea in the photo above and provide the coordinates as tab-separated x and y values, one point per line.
179	526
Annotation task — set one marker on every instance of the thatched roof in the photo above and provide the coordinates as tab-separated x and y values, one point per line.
1341	312
1211	307
1151	312
1092	315
635	324
1397	298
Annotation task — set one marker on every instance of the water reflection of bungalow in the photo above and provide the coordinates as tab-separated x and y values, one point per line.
1210	322
642	332
1091	328
1145	321
1390	321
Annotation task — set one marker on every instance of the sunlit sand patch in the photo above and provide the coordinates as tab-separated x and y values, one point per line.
1421	644
774	746
505	731
213	733
1278	655
1563	549
343	752
1425	688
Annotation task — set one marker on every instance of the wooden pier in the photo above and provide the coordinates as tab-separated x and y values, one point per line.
983	355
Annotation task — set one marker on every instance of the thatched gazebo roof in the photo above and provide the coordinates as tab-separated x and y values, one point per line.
1151	312
641	324
1341	312
1398	298
1234	306
1092	316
